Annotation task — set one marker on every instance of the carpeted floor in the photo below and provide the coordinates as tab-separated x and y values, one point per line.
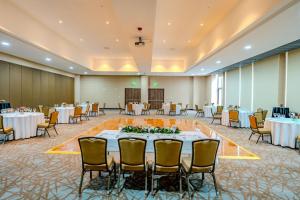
27	172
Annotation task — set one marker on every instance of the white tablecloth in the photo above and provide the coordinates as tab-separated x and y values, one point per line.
166	107
64	114
137	108
24	124
187	137
207	110
243	117
284	130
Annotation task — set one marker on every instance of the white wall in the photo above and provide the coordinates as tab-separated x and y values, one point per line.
232	87
246	87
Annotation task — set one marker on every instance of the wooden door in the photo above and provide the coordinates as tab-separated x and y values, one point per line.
132	95
156	97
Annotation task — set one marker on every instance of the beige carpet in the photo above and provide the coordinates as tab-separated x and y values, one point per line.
27	172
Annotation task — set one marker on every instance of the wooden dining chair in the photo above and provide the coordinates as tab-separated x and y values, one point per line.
6	131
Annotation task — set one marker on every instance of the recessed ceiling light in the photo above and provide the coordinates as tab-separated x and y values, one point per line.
80	39
138	73
218	61
201	24
193	74
247	47
60	21
117	40
71	67
5	43
164	41
48	59
202	69
85	72
189	41
169	23
107	22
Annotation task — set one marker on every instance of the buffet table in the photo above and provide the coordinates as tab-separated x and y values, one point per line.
187	137
137	108
64	114
167	107
284	130
4	105
24	124
207	110
243	117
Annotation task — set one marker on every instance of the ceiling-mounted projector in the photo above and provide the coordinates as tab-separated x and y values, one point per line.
140	42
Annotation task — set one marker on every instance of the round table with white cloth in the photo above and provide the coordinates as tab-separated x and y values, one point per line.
137	108
284	130
167	107
24	124
64	114
243	117
207	110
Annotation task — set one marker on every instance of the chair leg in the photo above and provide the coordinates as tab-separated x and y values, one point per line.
271	139
108	184
258	138
251	135
180	184
119	181
215	183
81	180
14	135
91	175
152	183
187	179
146	182
55	130
212	121
47	132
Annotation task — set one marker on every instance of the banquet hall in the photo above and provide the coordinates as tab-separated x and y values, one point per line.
149	99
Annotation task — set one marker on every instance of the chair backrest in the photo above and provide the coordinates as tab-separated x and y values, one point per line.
77	111
93	150
148	106
204	153
186	106
132	151
87	110
220	109
233	115
40	107
173	107
129	107
259	110
259	117
253	122
196	106
119	105
45	110
1	122
264	114
53	117
167	152
180	104
95	107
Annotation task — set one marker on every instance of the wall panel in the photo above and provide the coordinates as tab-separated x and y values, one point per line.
36	87
15	81
232	87
27	86
246	87
4	80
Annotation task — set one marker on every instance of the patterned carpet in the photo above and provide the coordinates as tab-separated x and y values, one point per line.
27	172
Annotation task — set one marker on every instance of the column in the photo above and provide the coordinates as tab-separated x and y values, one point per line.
77	89
144	88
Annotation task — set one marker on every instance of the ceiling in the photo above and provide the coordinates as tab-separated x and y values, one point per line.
97	36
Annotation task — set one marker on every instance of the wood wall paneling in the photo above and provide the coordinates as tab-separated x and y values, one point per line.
15	82
27	86
4	80
36	87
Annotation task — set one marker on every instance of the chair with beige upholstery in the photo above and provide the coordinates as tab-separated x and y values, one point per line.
199	111
183	111
46	111
130	110
203	161
132	158
94	112
160	111
102	110
264	115
86	113
121	110
40	108
234	117
259	119
146	109
76	115
259	110
51	123
220	109
172	109
6	131
216	116
256	130
167	154
94	157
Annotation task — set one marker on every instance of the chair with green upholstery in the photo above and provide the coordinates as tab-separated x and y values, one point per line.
94	157
132	158
167	160
202	161
6	131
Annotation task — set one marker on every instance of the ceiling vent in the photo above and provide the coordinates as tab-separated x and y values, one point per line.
140	42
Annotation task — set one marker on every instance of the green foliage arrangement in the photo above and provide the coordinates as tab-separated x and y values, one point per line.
137	129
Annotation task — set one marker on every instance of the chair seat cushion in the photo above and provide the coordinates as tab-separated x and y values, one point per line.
217	116
7	130
186	164
110	162
234	120
264	131
43	125
133	167
167	169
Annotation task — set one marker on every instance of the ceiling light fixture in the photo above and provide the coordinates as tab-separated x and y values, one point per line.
48	59
71	67
202	69
117	40
218	61
138	73
189	41
60	21
107	22
193	74
247	47
169	23
201	24
5	44
80	39
85	72
164	41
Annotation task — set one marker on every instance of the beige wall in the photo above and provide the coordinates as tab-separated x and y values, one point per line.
246	87
232	87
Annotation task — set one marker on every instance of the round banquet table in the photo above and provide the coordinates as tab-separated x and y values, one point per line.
64	114
284	130
243	117
137	108
166	107
207	110
24	124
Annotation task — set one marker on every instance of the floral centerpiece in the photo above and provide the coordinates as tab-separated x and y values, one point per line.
153	130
